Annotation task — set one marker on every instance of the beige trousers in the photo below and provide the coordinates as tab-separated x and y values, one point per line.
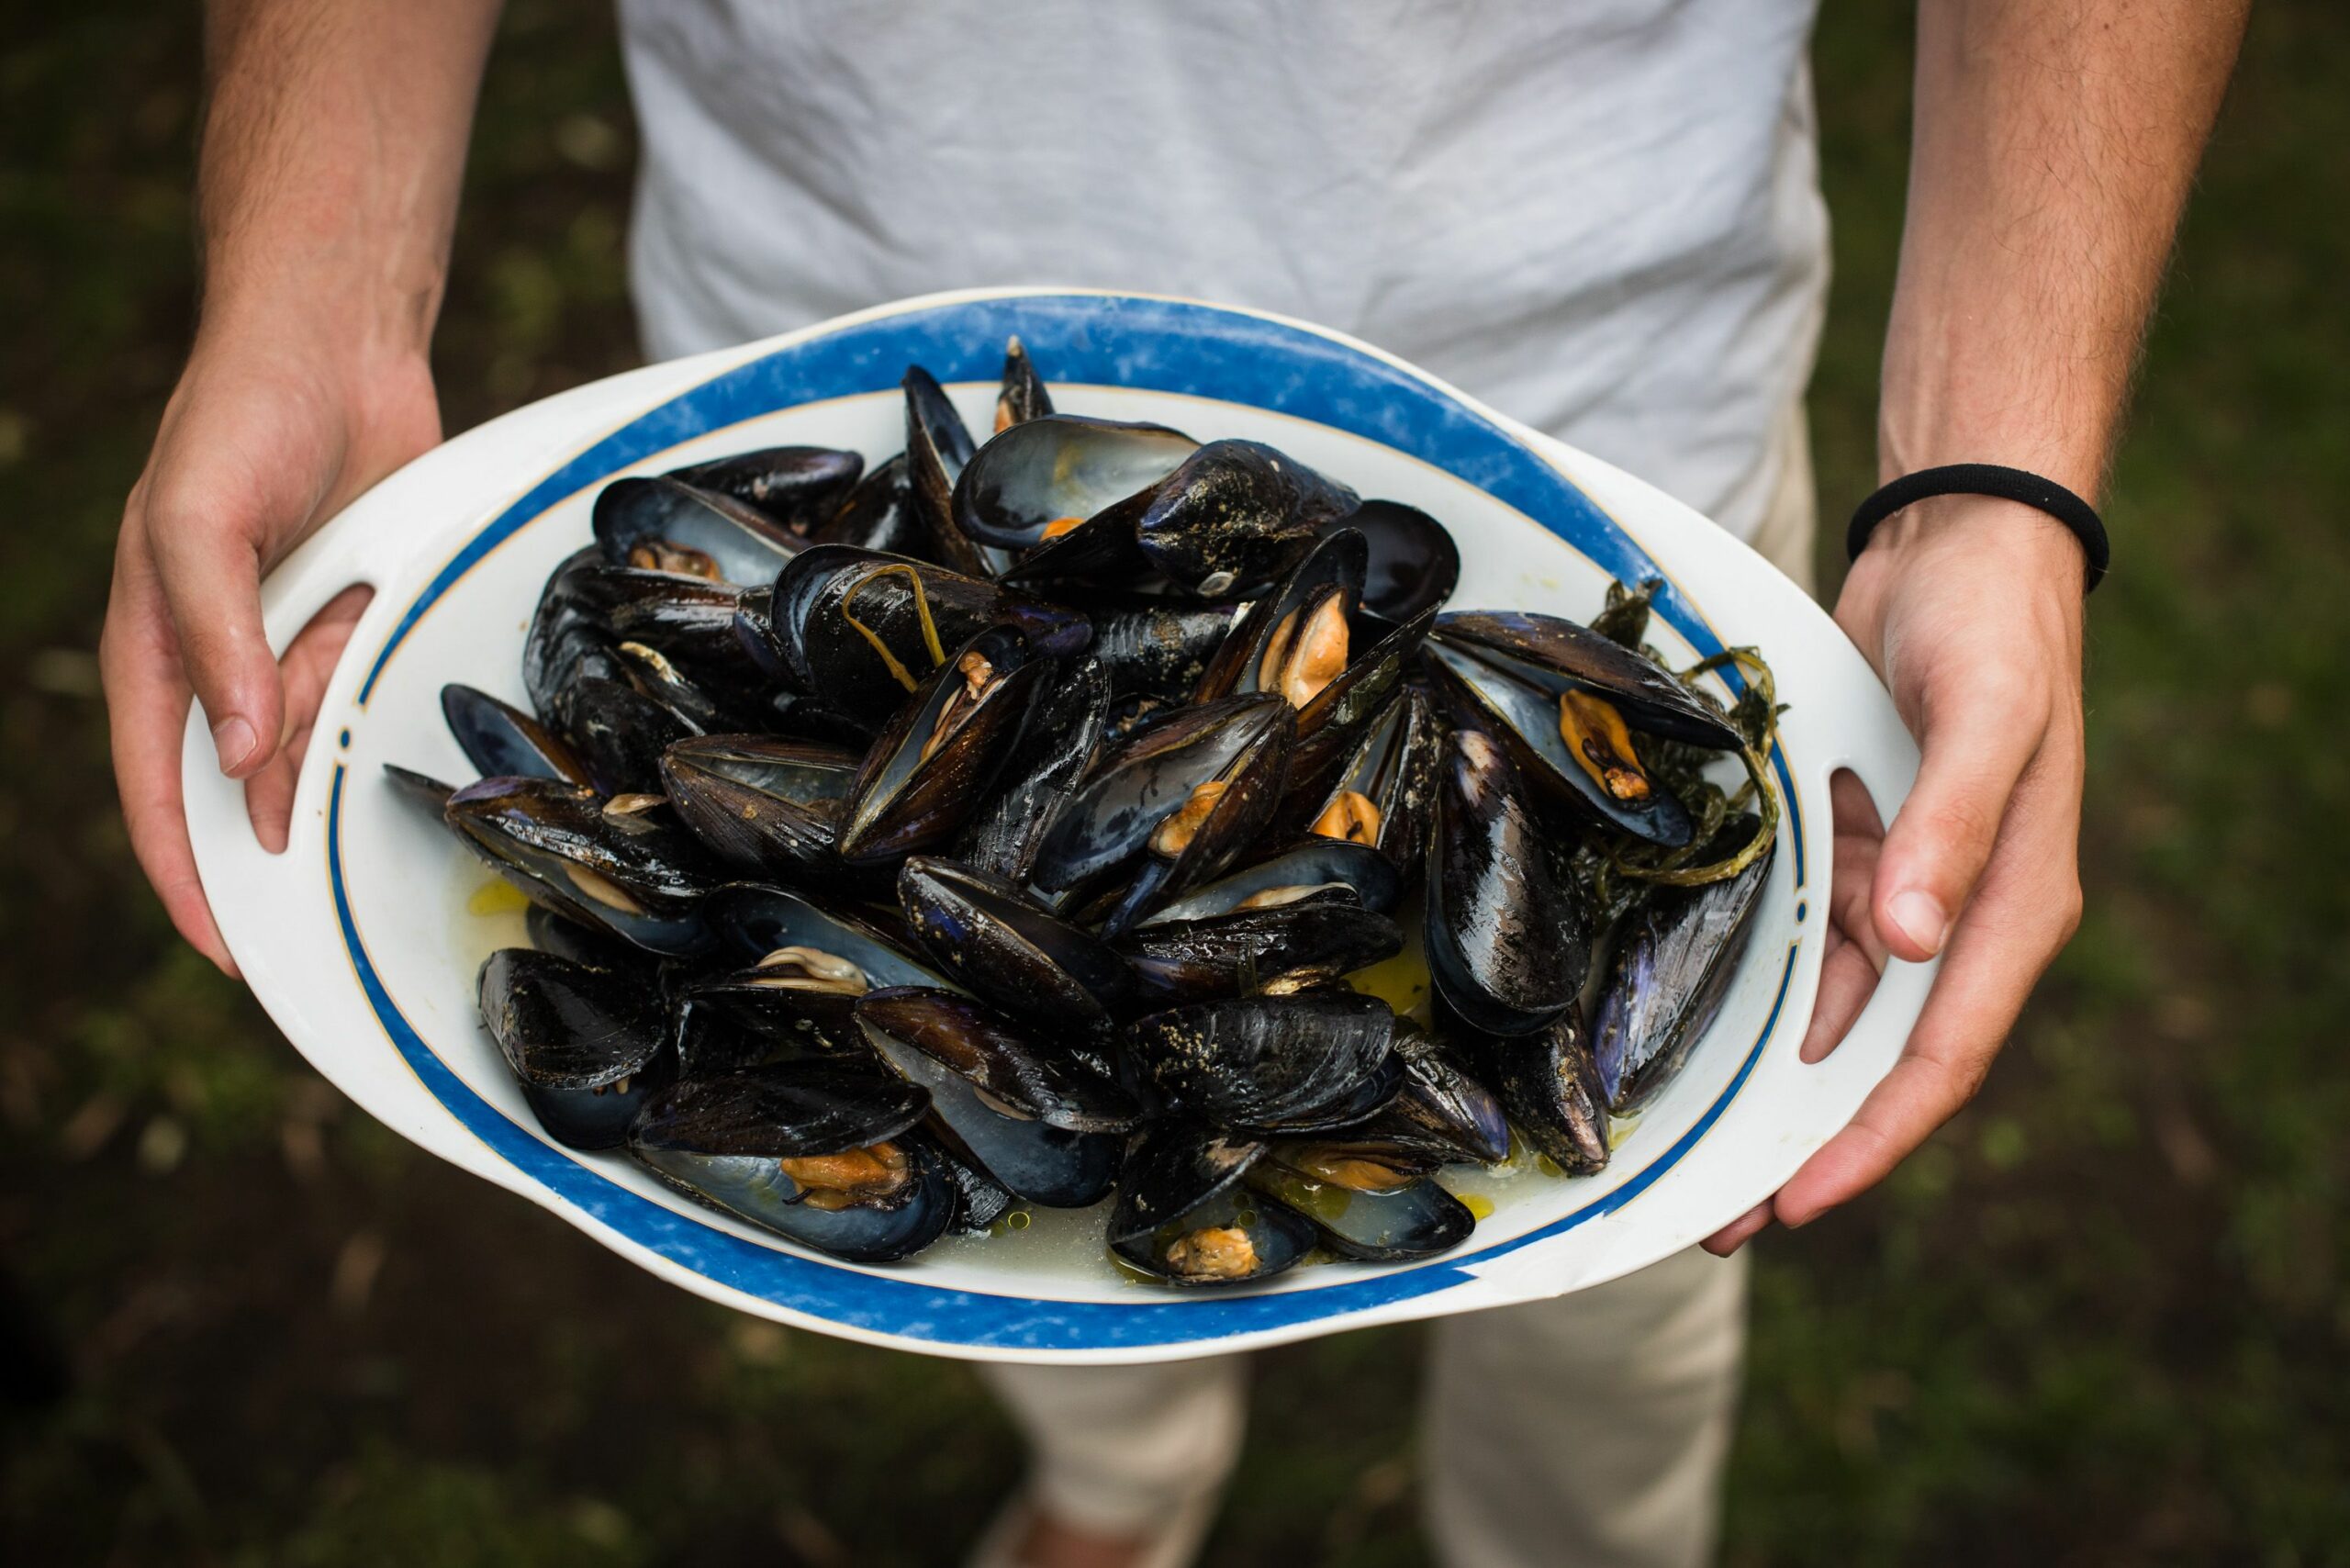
1589	1431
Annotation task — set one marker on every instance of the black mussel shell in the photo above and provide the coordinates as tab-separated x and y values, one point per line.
1323	934
695	705
980	1199
1672	967
1039	1121
1241	743
1394	1225
589	945
564	640
1318	596
687	620
1063	732
932	762
753	1017
1061	469
759	1191
1265	1060
1550	1085
1383	791
619	865
503	742
585	1044
1506	930
763	803
421	788
1563	653
1003	945
1235	516
1443	1109
1159	647
938	447
663	523
1023	396
1183	1216
759	922
797	485
876	515
1414	565
1308	867
833	603
618	733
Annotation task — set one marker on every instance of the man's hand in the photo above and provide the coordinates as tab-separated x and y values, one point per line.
1970	610
260	443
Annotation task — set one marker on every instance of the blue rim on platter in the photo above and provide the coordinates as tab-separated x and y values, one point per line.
1161	345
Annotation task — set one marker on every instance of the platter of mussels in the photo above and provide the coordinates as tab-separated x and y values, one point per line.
1072	835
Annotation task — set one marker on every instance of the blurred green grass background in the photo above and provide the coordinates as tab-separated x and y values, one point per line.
2102	1319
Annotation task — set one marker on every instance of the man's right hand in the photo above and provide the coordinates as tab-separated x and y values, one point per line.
269	432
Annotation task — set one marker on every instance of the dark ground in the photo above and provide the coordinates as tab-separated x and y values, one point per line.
2103	1318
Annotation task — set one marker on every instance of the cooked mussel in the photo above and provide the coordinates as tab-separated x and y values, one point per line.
938	446
1506	928
1365	1211
767	805
1550	1085
1022	396
820	1153
1042	477
931	765
1000	943
1414	565
1383	793
617	864
1040	1121
1293	1061
585	1044
503	742
1308	914
617	733
1065	722
1671	969
1183	1216
798	487
1159	647
1235	516
663	523
1440	1115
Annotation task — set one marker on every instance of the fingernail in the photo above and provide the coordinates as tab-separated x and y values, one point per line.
233	739
1921	919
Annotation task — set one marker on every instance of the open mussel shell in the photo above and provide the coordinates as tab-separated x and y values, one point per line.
1183	1215
617	865
1413	563
1174	805
823	1154
859	628
1066	723
1394	1223
420	788
687	620
585	1044
1383	793
1308	867
938	447
935	759
1295	640
1000	943
1235	516
617	733
762	922
1325	935
1022	397
663	523
1038	1121
1549	1084
503	742
798	487
1672	965
767	805
1044	476
1159	647
1287	1061
1506	929
1565	654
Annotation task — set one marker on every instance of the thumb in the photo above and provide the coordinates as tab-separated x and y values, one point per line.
209	562
1978	734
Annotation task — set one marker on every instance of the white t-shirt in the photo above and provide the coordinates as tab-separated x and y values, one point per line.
1600	215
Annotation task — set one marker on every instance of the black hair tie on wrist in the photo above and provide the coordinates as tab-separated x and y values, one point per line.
1987	479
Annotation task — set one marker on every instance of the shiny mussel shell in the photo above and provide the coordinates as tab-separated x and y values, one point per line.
666	524
1671	969
1022	396
1041	477
933	763
1383	792
938	446
618	733
1413	563
1549	1084
761	803
799	487
1235	516
1506	928
503	742
585	1044
1067	720
1003	945
1414	1218
615	864
1183	1216
1267	1061
1160	647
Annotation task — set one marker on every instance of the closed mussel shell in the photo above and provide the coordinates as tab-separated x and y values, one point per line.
1672	965
1505	930
1063	732
1041	477
1159	647
1003	945
1265	1061
1550	1085
931	765
938	446
762	803
664	523
618	733
586	1044
563	640
795	486
1235	516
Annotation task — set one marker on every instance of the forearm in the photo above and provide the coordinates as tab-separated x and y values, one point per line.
334	148
2054	145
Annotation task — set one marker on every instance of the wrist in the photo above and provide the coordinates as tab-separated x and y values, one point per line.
2038	548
